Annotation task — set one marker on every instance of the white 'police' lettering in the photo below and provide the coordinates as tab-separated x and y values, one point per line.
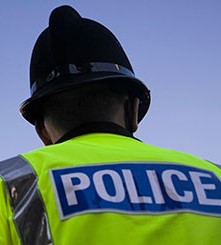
101	188
136	188
201	189
70	189
132	191
155	185
171	189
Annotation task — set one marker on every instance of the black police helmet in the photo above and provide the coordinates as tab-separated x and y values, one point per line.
75	51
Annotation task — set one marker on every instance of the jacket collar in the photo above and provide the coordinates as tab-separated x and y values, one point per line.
95	127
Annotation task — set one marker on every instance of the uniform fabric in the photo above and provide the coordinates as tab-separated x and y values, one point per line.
89	154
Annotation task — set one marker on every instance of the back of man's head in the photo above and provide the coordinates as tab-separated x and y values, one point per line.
94	103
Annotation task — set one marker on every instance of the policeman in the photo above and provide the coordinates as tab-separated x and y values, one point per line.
93	182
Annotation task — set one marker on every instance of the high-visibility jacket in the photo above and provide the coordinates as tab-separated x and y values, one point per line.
103	188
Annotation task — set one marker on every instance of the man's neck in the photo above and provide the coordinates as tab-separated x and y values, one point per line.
95	127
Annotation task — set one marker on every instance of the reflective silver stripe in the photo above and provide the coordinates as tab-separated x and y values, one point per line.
28	208
90	67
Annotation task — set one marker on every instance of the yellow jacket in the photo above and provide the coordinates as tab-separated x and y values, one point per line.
103	188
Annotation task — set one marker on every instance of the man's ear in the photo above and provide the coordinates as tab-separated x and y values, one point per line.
43	133
131	114
134	116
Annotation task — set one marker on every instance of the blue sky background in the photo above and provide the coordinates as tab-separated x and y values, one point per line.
173	45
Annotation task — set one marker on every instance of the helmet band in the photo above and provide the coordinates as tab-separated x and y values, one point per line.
70	69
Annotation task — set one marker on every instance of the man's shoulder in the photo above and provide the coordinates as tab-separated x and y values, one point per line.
7	163
176	156
11	166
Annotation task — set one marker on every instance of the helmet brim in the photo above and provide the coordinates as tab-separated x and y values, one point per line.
31	109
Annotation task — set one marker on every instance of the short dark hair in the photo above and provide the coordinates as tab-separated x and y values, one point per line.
83	104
